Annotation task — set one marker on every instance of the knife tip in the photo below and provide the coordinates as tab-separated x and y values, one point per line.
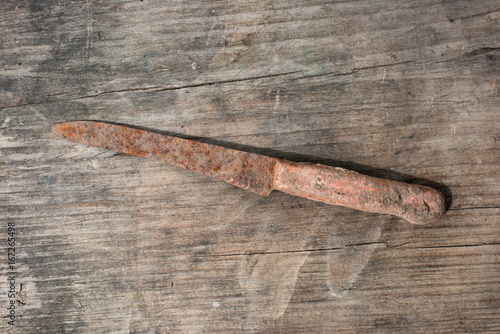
57	129
65	129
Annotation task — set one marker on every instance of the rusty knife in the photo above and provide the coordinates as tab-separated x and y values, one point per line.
262	174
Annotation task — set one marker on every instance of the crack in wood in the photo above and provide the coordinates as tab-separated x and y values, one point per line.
459	246
157	89
296	250
385	244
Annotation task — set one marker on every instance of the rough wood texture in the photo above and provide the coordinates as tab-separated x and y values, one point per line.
106	242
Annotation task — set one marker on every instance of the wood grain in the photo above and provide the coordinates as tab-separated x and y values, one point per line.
117	244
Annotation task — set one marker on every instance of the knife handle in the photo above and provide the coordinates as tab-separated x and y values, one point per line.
339	186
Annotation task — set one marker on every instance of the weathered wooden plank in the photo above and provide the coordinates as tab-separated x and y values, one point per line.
111	243
101	47
399	287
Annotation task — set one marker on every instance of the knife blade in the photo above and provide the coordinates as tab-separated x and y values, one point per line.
262	174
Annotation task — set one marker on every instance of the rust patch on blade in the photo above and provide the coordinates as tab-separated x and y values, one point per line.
249	171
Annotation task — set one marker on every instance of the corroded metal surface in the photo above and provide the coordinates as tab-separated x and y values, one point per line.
249	171
261	174
338	186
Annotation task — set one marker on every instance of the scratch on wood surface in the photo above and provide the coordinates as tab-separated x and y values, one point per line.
225	44
343	265
90	27
268	278
277	103
5	122
269	281
126	319
37	113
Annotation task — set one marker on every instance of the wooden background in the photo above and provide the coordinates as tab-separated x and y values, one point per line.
109	243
